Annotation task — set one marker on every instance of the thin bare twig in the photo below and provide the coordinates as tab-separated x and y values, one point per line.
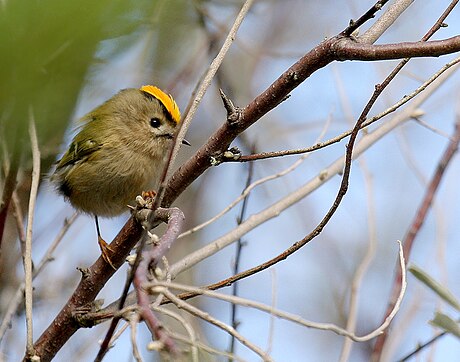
19	296
150	258
239	246
354	25
271	326
119	333
363	266
203	347
30	351
133	321
432	128
384	22
14	200
19	217
193	339
422	346
210	73
162	287
208	318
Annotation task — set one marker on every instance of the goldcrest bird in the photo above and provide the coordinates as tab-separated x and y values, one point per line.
118	153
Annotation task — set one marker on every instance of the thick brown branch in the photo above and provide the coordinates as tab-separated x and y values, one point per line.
349	49
93	280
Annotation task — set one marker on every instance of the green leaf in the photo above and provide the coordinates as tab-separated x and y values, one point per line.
439	289
446	323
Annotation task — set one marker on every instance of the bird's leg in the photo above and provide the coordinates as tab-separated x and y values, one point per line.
105	248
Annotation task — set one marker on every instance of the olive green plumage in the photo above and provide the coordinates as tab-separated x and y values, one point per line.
118	153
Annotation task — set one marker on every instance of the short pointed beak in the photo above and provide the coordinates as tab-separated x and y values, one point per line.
185	142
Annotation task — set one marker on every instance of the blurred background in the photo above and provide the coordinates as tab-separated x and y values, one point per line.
61	59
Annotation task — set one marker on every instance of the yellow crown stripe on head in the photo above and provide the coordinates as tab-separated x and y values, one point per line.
166	99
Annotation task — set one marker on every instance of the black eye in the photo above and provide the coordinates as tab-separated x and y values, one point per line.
155	122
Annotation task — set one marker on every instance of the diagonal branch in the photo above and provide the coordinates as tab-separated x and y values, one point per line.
417	223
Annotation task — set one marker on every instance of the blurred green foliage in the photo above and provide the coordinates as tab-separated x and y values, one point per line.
46	49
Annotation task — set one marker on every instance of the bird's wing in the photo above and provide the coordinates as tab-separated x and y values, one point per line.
80	149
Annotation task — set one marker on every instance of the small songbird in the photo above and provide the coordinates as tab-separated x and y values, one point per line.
118	153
